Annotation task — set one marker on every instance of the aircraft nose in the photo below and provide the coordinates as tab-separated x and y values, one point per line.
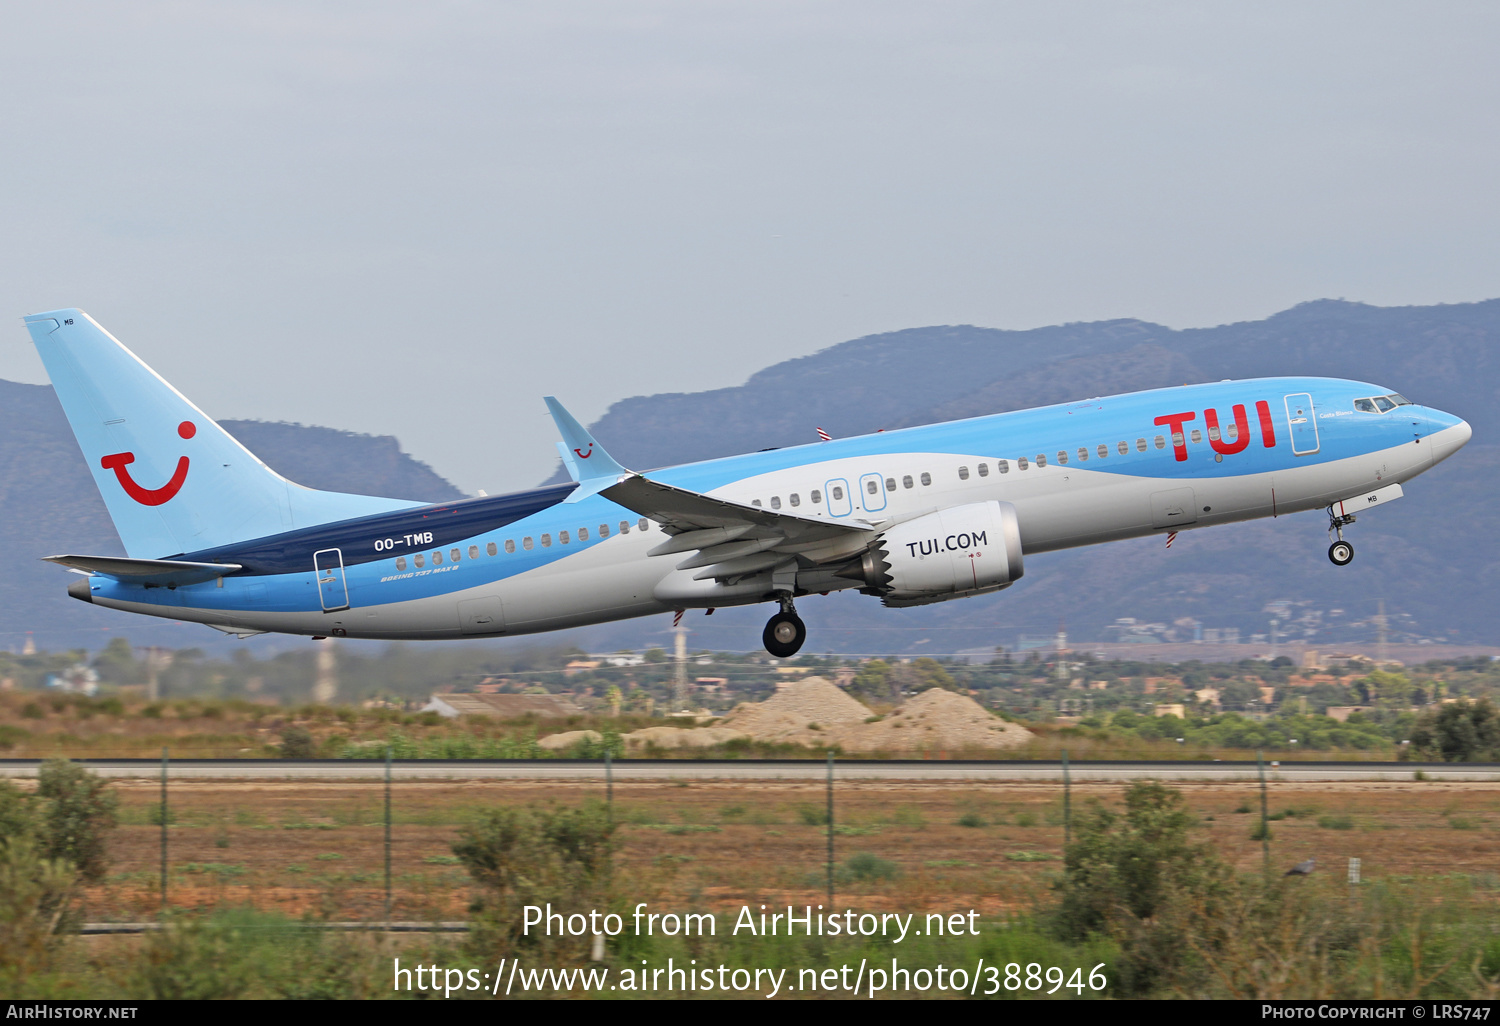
1452	434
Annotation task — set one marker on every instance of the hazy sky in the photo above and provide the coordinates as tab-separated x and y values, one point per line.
418	219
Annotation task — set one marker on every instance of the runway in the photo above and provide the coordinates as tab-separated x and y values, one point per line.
770	769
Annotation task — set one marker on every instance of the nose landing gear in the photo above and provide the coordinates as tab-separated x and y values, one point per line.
1340	553
785	632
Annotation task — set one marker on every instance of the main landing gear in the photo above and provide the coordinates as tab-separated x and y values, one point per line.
785	632
1340	553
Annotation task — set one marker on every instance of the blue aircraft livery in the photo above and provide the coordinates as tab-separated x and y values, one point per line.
914	516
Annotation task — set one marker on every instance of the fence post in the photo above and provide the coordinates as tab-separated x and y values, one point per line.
1265	823
609	784
164	830
387	836
1067	804
830	831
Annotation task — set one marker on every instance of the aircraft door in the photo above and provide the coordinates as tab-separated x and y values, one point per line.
333	592
872	492
1303	425
837	494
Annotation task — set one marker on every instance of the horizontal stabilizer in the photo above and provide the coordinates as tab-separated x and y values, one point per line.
146	571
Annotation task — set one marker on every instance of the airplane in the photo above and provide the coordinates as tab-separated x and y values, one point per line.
911	516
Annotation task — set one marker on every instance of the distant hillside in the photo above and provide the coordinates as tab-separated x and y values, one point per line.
48	505
1448	356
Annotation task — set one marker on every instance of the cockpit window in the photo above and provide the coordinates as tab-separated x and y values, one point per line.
1381	403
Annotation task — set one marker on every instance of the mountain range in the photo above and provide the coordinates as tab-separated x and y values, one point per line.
1437	575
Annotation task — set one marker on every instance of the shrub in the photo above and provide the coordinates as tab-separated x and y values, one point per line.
78	812
864	866
1141	880
298	743
1336	822
535	856
970	819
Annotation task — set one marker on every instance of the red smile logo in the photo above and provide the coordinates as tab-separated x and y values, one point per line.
150	496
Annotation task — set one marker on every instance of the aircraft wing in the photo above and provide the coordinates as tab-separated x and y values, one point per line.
145	571
731	539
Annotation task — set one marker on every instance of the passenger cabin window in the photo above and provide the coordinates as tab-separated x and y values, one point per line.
1161	443
583	534
643	524
775	502
527	543
1062	457
563	538
1234	431
907	482
794	500
604	530
1021	463
755	502
1124	447
1197	437
1003	466
1213	433
890	484
510	545
400	562
1177	439
963	473
816	496
984	470
1103	451
420	560
873	487
546	541
490	550
624	526
473	551
1140	445
1041	459
437	558
454	554
1083	453
838	494
926	478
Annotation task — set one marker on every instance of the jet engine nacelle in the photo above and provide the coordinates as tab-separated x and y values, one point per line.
953	553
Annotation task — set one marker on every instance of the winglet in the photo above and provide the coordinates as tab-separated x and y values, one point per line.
586	460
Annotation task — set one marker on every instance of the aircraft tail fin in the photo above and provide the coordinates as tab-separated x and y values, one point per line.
173	480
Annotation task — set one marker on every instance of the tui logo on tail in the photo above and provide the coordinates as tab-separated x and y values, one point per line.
150	496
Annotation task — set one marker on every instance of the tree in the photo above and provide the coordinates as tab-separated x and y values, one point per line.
613	696
78	812
1460	732
872	679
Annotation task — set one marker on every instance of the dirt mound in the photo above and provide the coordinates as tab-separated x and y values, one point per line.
933	720
808	707
568	738
681	737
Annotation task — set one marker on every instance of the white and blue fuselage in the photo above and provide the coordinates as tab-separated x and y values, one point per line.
1074	474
